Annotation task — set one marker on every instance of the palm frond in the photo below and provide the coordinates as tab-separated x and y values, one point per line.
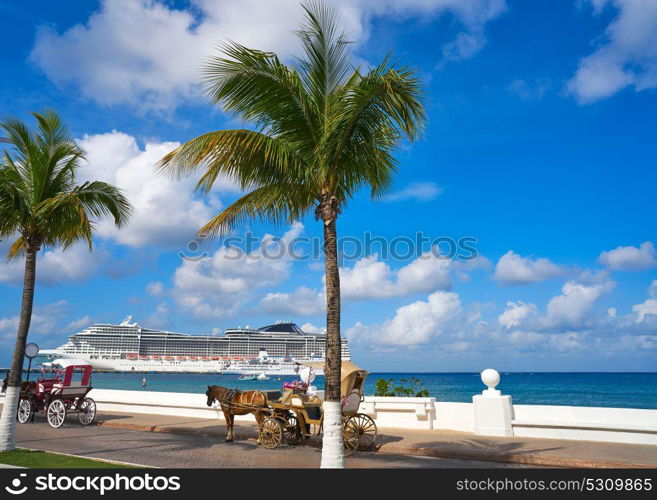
251	158
324	128
326	64
39	197
273	203
259	88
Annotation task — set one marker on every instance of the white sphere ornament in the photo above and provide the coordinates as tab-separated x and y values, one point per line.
490	378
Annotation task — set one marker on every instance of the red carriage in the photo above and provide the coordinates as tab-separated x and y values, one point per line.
62	388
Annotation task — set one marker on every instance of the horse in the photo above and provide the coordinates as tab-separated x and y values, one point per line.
235	402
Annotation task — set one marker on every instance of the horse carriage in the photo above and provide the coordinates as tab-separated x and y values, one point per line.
64	389
293	415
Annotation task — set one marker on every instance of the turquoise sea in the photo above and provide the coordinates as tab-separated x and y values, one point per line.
625	390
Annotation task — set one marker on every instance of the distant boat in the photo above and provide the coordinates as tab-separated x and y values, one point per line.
247	377
262	376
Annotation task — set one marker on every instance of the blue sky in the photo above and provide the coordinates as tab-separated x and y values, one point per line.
540	144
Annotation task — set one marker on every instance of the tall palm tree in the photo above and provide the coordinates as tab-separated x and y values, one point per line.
42	205
320	132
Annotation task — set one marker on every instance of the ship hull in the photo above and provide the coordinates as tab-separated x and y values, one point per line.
187	366
275	350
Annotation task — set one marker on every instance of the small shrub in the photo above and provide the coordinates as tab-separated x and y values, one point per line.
415	388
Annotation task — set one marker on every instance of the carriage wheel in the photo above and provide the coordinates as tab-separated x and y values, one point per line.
87	411
292	430
25	411
271	433
56	413
359	432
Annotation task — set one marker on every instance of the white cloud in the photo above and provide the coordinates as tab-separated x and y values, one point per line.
80	323
418	191
513	269
413	324
56	265
370	278
147	54
570	324
652	289
630	258
166	212
8	327
220	284
45	320
303	302
310	328
161	318
155	288
572	308
529	91
517	313
648	307
644	309
626	58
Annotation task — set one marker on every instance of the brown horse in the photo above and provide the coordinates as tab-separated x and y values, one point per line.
235	402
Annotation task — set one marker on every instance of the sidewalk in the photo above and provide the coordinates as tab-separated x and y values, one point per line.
435	443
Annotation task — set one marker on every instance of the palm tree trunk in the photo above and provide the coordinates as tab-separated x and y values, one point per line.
332	446
10	407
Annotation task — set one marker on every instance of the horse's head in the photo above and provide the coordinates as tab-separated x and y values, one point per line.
210	394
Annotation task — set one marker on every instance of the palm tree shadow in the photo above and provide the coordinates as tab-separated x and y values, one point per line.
105	417
383	439
487	447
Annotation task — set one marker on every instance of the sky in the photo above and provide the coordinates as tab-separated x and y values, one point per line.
539	153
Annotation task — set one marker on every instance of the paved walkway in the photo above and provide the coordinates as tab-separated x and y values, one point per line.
442	444
167	441
196	450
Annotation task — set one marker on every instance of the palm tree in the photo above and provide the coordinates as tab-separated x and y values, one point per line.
320	132
41	205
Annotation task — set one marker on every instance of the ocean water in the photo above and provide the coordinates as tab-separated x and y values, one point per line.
621	390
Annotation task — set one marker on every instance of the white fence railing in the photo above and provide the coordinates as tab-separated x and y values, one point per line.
490	413
624	425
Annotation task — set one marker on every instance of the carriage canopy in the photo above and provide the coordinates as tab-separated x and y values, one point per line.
352	376
70	366
76	363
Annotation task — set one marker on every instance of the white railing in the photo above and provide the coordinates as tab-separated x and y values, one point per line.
490	413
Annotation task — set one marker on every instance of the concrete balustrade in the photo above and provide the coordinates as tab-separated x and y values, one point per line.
490	414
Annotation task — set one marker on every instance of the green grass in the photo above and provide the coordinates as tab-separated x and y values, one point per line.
46	460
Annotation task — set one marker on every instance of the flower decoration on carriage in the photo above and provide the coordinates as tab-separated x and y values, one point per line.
295	384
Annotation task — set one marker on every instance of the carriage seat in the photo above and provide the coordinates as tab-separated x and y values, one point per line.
305	401
273	396
351	402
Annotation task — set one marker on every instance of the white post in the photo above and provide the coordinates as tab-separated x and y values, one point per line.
493	412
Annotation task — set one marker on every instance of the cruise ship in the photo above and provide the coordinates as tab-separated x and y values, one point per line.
128	347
